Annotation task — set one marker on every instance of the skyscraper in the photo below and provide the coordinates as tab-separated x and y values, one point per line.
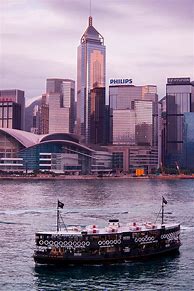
90	75
40	118
12	109
97	116
179	102
134	114
133	126
61	96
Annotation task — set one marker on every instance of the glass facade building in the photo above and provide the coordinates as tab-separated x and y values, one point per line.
134	114
129	158
40	117
22	151
98	125
144	134
58	115
61	99
188	141
179	100
44	116
123	126
12	109
134	127
90	75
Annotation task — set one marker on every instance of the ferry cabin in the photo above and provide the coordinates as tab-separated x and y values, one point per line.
115	242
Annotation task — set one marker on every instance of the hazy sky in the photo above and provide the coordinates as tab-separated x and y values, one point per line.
146	40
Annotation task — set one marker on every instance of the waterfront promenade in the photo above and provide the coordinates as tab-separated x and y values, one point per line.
92	177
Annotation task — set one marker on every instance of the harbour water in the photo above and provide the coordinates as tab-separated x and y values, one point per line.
29	206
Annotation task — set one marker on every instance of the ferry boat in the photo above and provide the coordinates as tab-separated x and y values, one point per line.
115	242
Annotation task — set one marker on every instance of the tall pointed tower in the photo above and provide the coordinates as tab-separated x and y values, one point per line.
90	75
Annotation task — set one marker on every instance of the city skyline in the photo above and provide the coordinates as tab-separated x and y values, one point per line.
40	39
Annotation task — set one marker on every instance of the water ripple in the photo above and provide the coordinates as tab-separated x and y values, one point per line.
27	207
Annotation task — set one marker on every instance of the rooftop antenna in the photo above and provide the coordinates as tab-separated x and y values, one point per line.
90	17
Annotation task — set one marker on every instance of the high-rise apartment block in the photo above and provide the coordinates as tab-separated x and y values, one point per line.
61	99
12	109
90	75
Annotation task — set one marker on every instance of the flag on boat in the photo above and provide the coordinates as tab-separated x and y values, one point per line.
60	204
164	200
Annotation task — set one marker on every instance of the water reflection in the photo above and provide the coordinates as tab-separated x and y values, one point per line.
108	276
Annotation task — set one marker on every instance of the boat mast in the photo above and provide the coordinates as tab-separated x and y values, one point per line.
57	217
163	202
59	205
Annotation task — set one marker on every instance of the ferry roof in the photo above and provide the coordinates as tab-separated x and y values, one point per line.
89	230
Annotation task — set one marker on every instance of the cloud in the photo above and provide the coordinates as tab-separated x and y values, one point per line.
146	39
30	74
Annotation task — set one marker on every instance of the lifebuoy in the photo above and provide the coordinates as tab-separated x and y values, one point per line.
60	243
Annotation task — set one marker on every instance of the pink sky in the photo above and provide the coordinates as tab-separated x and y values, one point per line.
146	40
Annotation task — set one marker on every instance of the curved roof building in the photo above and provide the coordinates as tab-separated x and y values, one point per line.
58	152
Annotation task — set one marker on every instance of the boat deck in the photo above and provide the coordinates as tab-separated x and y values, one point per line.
110	229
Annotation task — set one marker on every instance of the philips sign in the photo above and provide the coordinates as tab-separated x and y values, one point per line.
120	81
